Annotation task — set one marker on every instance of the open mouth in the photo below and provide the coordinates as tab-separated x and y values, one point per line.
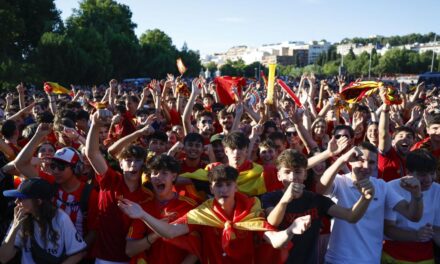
160	187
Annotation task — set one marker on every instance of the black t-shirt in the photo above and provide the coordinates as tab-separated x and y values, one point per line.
305	245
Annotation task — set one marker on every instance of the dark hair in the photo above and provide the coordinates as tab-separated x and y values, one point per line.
163	162
159	135
63	122
404	129
45	212
368	146
433	119
277	135
8	128
204	113
268	143
291	158
73	105
45	117
67	114
222	173
235	140
82	115
210	96
193	137
421	160
344	127
133	151
224	112
198	107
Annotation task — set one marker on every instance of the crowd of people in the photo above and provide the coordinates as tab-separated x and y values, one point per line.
172	174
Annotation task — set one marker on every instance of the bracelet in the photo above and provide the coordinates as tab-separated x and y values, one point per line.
418	199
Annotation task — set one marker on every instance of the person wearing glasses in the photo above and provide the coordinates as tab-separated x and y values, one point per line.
65	169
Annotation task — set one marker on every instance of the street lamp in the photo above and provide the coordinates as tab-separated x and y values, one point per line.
256	73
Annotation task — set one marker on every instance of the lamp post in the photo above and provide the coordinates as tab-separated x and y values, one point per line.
433	54
256	74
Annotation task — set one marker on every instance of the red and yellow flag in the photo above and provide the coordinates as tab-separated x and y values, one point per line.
53	87
180	66
263	76
224	88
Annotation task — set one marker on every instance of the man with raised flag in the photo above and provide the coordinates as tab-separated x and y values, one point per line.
228	224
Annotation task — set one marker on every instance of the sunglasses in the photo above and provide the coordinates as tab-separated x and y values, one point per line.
339	136
290	134
58	165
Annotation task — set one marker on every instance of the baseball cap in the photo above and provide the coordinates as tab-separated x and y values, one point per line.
67	155
216	137
32	188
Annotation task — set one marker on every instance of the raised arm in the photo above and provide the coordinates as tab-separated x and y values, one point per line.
276	214
323	186
384	135
162	228
186	117
23	160
355	213
117	147
21	101
334	147
412	210
93	153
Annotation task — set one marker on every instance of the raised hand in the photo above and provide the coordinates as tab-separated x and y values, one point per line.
365	187
300	225
352	155
20	88
411	184
102	117
70	132
19	215
293	191
336	146
43	129
131	209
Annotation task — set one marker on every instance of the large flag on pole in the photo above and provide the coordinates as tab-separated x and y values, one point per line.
224	88
53	87
180	66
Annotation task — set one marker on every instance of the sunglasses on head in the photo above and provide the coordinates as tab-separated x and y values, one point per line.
58	165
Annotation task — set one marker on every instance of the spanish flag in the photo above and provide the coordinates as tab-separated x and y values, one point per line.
224	88
53	87
180	66
355	91
250	182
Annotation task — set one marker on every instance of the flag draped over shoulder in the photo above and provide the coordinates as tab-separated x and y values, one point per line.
250	182
224	88
247	216
180	66
53	87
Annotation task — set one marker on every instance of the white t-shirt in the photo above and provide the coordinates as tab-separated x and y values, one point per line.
360	242
69	239
431	208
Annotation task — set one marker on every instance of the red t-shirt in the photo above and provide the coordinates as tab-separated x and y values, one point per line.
161	251
113	223
175	117
390	165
